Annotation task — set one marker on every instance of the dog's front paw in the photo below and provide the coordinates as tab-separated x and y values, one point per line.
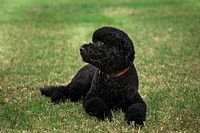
136	113
136	123
96	107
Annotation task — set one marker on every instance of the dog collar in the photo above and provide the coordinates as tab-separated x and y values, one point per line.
116	75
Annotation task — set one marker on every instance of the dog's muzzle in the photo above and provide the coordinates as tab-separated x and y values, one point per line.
82	49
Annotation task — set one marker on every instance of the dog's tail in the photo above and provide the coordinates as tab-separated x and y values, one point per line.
56	93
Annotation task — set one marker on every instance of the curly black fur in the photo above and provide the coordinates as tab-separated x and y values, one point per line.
110	52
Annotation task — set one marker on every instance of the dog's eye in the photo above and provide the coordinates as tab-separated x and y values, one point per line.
99	43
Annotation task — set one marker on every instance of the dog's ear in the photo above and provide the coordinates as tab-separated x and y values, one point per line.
129	52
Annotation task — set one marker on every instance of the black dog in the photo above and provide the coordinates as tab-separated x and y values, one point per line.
109	81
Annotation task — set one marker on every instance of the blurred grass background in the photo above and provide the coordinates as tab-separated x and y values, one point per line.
39	46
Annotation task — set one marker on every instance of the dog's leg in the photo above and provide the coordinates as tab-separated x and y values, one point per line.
75	90
95	106
137	111
56	93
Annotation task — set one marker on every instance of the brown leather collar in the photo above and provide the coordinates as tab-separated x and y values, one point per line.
116	75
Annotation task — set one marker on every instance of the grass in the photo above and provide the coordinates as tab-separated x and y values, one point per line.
39	46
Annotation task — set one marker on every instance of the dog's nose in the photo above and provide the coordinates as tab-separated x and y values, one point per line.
82	49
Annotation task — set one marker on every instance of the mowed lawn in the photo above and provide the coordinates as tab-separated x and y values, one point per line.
39	46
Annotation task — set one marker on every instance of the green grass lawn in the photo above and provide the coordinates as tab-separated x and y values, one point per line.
39	46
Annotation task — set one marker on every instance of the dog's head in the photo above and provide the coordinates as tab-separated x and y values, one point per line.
111	50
